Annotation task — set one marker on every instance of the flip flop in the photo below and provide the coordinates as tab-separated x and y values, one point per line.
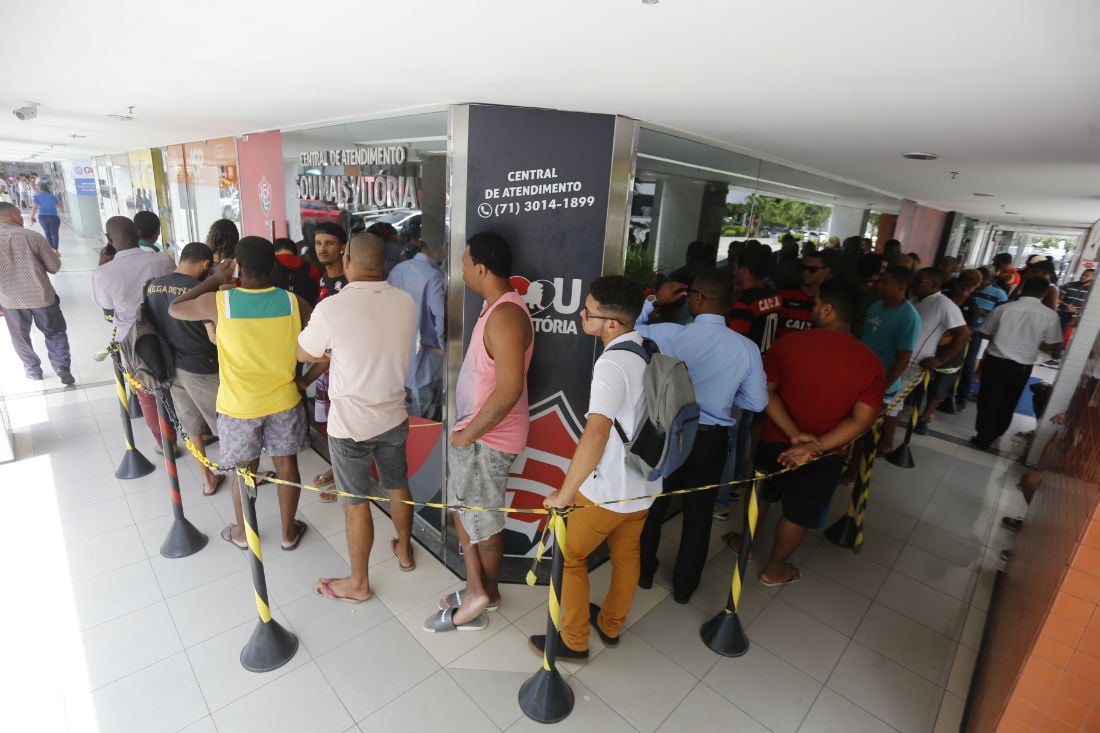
455	600
217	485
262	477
795	577
227	535
302	527
322	588
403	568
319	479
443	621
325	497
728	539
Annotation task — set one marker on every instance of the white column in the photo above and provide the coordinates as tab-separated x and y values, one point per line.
846	222
676	209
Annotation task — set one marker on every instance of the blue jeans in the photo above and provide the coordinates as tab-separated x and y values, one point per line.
51	226
737	460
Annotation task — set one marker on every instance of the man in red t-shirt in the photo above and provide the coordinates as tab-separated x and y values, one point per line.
798	300
824	390
1007	277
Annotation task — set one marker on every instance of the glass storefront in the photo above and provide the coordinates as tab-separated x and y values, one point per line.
202	184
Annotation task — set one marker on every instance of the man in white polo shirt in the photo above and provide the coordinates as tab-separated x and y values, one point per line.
1017	331
366	331
599	473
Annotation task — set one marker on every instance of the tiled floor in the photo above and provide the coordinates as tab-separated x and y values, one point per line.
108	635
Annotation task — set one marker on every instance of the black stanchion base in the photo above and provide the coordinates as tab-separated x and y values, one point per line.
843	532
183	539
545	697
134	465
902	456
135	407
270	647
723	634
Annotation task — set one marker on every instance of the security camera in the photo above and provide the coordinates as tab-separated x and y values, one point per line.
26	113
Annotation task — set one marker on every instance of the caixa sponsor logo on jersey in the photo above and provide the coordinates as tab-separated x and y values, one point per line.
551	303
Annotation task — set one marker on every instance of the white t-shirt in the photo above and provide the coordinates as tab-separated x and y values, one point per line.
369	327
938	314
618	394
1017	329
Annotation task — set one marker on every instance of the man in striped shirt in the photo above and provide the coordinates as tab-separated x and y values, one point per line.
26	295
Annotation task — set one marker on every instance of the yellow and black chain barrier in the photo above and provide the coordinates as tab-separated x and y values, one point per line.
252	477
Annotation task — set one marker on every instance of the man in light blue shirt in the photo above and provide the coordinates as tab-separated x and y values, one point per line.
728	374
422	278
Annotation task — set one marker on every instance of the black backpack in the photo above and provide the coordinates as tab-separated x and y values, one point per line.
147	354
296	280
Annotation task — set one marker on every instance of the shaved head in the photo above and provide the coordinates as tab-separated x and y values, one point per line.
121	232
366	253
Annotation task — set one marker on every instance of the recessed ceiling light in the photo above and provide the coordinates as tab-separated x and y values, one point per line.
920	156
649	2
985	195
1012	213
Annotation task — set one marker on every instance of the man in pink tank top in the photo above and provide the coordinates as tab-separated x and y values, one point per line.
490	428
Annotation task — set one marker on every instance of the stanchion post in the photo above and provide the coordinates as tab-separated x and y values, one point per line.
271	645
183	537
848	530
545	697
134	405
903	455
723	633
133	464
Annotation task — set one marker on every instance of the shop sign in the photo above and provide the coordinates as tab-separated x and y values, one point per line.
378	189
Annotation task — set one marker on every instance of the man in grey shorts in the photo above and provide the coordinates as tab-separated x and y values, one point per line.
366	333
195	388
490	428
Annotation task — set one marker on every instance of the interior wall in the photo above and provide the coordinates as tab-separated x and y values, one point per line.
846	222
920	229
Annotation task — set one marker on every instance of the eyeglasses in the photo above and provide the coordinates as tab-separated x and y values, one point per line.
810	268
592	317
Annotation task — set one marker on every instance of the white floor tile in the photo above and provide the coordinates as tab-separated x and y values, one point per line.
827	601
936	572
300	700
163	696
891	693
491	691
202	725
95	519
766	687
376	667
948	545
853	571
834	714
213	562
505	650
958	682
129	643
104	553
880	547
798	639
323	624
450	709
673	629
116	593
639	682
936	610
951	712
973	628
87	491
213	608
908	643
589	714
888	521
217	665
702	709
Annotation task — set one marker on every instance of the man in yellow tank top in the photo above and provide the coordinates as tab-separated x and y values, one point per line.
259	406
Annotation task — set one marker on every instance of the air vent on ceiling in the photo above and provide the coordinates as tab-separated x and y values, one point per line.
920	156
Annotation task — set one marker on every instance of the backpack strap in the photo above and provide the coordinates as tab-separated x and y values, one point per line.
644	350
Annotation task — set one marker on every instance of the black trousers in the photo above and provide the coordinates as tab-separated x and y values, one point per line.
1003	381
702	468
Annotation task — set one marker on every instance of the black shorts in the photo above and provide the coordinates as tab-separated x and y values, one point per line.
806	492
941	383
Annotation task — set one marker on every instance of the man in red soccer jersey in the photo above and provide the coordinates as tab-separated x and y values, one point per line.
796	313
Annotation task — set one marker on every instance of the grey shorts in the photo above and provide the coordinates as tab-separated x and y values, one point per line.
351	462
477	476
281	434
195	397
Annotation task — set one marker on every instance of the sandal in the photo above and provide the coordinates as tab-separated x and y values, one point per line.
301	527
445	621
412	561
217	485
227	535
322	588
795	577
454	600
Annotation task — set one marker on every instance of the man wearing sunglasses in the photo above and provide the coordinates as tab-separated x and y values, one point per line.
728	375
796	314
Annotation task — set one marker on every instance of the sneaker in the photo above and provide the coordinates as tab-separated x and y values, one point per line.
565	654
67	377
593	617
1053	363
1013	523
721	514
34	376
960	404
100	355
1005	555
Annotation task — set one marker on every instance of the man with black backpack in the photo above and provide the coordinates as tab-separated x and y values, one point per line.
195	385
294	274
600	472
728	376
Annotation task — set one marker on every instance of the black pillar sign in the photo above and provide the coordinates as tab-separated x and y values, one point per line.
541	179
